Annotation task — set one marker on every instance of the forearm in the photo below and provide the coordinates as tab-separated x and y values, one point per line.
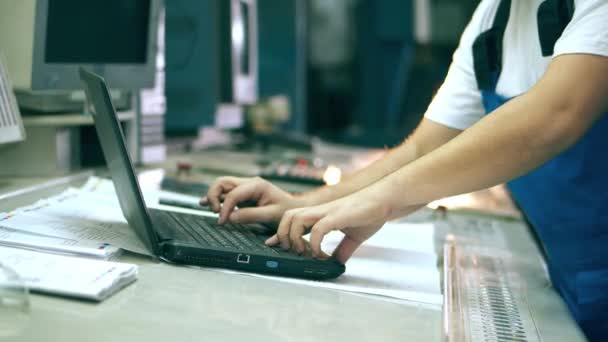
497	149
426	138
518	137
390	162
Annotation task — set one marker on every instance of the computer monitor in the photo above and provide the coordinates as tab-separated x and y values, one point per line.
46	41
11	126
244	47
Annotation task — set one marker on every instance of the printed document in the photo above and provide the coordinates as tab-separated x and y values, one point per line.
52	244
88	217
68	276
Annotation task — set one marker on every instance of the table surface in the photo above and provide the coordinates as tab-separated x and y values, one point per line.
192	304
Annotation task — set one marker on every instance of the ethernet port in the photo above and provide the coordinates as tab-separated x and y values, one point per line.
243	258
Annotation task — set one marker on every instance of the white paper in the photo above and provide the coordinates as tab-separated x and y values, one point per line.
90	215
398	262
78	215
21	239
68	276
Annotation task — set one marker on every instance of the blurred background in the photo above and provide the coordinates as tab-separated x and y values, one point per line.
353	71
186	75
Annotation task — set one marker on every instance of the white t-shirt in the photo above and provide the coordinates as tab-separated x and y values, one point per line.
458	101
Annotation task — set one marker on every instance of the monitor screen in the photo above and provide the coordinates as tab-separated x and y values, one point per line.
97	32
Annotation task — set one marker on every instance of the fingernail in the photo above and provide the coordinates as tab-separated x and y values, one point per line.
268	241
233	217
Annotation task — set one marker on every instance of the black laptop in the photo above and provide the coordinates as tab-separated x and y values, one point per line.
190	239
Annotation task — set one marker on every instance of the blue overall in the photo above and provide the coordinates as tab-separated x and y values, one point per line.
566	202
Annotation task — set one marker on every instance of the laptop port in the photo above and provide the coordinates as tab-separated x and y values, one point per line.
272	264
242	258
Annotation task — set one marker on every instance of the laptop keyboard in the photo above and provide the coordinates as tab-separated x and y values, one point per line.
207	232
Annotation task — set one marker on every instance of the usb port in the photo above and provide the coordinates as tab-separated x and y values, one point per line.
242	258
272	264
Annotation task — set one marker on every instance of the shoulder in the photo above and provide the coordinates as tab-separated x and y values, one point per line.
587	32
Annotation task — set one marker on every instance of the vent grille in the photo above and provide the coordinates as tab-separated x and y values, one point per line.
207	260
483	300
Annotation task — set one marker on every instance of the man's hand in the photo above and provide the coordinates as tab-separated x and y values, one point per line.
358	216
271	201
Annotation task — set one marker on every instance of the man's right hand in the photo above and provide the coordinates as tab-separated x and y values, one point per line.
227	192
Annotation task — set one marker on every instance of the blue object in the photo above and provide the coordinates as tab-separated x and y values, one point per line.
272	264
566	202
282	55
385	53
193	62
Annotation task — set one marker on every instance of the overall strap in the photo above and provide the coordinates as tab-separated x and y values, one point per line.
487	49
553	17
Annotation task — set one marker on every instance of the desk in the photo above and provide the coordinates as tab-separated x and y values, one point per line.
193	304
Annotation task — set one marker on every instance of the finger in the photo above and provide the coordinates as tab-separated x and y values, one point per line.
308	252
296	230
217	189
346	248
205	200
241	193
264	214
318	231
271	241
283	230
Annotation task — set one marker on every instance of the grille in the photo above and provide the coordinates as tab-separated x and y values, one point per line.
484	300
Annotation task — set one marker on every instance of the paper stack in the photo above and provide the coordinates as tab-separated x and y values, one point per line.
68	276
84	222
52	244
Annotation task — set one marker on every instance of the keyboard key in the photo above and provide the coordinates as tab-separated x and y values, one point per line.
206	231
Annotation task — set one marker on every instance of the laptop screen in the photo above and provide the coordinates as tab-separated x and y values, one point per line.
118	161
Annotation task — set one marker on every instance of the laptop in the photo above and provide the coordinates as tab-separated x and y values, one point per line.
184	238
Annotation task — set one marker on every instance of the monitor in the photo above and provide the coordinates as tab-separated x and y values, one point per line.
46	41
11	127
244	50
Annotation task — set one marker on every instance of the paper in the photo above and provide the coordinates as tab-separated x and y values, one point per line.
88	216
398	262
78	215
68	276
20	239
